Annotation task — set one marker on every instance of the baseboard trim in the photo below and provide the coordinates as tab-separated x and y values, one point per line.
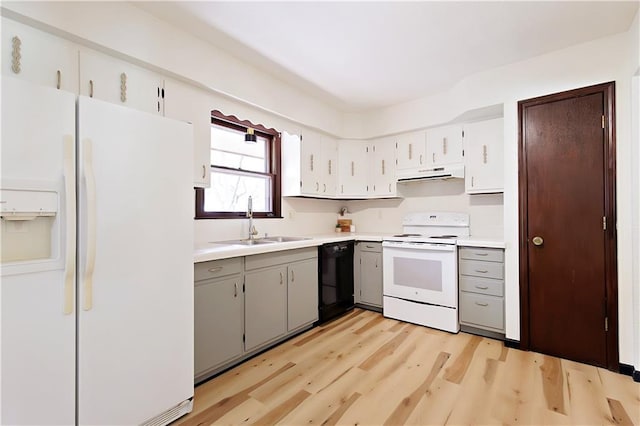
513	344
629	370
626	369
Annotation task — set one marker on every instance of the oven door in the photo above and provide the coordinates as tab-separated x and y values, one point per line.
421	272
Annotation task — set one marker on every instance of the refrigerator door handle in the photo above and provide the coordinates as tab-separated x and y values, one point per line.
90	182
70	211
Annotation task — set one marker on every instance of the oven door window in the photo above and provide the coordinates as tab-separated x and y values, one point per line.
424	274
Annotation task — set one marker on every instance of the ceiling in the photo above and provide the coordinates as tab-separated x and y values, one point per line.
359	56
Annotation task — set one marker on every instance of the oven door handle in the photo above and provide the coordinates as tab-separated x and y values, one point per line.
419	246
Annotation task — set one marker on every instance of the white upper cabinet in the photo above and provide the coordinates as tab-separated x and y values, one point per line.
301	165
329	167
410	150
444	145
382	168
311	164
484	156
115	81
187	103
38	57
353	169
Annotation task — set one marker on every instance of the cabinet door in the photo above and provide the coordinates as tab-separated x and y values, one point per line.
444	145
329	167
410	150
187	103
218	309
353	170
371	278
382	173
40	58
265	306
302	293
311	164
112	80
484	157
291	155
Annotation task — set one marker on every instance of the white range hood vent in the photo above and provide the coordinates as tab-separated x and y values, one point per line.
450	171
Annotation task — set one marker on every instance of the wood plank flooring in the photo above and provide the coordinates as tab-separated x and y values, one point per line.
364	369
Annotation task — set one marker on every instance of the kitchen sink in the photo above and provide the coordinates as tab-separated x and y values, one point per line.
284	239
258	241
243	242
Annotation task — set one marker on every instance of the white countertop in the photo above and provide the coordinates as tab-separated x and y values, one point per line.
487	242
212	251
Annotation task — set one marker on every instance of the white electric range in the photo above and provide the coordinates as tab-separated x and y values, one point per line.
420	270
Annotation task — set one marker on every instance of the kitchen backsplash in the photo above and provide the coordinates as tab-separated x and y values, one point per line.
304	216
486	211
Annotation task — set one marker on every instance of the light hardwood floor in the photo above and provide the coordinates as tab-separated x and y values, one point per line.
364	369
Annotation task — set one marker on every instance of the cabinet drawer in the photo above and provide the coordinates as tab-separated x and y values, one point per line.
482	311
479	253
369	246
486	286
266	260
483	269
217	268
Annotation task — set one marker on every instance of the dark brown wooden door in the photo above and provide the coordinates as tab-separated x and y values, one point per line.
566	208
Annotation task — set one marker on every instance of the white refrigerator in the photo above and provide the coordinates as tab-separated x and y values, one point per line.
97	261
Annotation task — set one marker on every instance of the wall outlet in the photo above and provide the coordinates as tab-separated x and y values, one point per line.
292	214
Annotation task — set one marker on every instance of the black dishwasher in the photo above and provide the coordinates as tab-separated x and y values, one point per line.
335	279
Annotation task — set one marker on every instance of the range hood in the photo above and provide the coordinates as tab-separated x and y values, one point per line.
448	171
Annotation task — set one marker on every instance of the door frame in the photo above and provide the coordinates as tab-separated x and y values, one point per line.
611	271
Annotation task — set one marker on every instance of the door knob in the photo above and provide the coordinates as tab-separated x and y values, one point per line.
537	241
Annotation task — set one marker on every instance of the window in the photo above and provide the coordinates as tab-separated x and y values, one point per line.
240	169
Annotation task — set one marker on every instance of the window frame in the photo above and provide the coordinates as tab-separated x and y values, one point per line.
273	160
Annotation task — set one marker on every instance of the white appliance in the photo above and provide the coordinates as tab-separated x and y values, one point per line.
97	261
420	270
447	171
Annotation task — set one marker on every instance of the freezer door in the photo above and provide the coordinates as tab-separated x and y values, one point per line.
135	240
38	313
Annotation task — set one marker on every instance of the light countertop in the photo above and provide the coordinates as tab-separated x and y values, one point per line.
214	251
487	242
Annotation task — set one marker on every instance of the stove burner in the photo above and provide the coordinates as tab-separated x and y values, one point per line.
407	235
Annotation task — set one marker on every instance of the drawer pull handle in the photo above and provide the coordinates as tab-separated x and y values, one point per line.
482	287
280	278
482	271
482	304
481	254
368	246
216	269
235	289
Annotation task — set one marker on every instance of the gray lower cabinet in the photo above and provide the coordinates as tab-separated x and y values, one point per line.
368	276
219	314
302	293
481	285
246	304
265	303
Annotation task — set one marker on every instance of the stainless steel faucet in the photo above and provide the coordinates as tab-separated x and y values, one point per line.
252	229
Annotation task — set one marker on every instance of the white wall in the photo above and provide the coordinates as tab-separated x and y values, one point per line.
635	143
486	211
129	33
582	65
